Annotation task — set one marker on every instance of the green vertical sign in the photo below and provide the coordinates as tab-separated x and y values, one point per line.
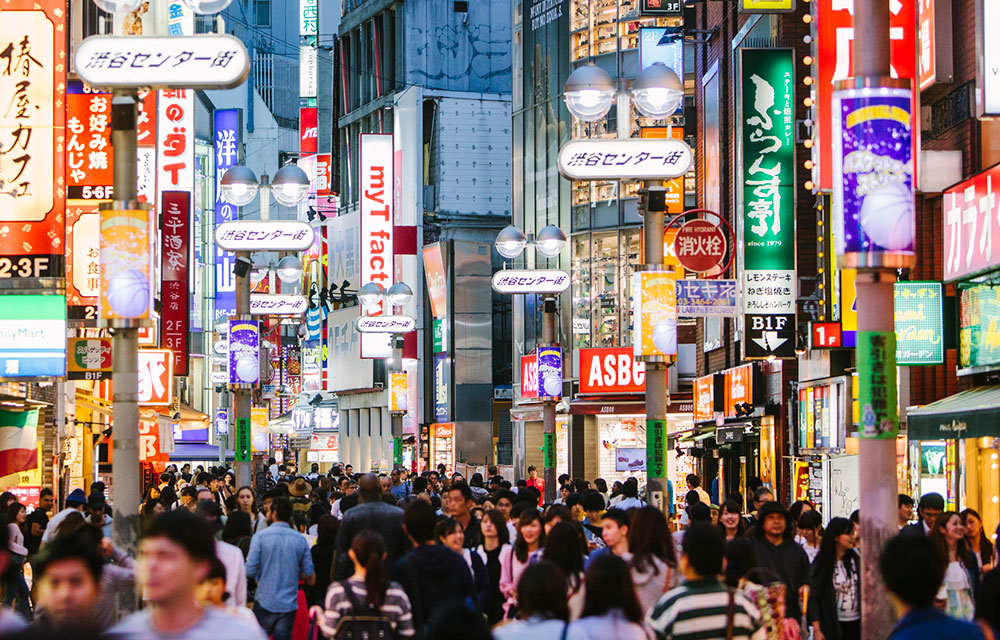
549	450
767	126
397	452
877	384
656	448
919	316
440	344
242	446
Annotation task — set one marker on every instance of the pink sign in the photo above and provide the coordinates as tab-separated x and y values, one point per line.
972	225
529	376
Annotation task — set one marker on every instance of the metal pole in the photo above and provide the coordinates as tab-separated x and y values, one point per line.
657	395
549	408
241	397
396	416
875	314
125	469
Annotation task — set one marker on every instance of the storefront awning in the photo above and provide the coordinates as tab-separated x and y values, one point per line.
970	414
634	404
197	453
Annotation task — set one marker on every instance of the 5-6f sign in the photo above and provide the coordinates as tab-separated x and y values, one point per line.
376	225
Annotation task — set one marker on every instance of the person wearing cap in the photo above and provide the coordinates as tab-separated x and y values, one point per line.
299	495
97	514
777	550
75	501
230	555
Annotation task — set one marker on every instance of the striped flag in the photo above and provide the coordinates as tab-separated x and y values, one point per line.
18	441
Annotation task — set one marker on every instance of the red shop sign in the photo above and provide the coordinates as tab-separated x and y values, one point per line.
308	130
529	376
700	245
176	314
611	370
971	225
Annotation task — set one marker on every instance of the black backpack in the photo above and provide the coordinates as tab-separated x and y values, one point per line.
363	622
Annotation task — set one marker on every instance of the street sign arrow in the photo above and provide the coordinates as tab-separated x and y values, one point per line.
157	62
769	341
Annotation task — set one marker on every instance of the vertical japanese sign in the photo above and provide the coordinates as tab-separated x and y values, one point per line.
308	130
126	264
146	151
928	48
767	119
175	218
971	223
656	448
83	260
654	317
918	311
873	206
32	135
241	449
308	36
877	377
175	142
227	137
377	219
442	384
89	155
308	17
244	352
834	47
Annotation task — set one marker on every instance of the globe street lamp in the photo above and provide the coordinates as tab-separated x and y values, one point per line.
657	92
589	92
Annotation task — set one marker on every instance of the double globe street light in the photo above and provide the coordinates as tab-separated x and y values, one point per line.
589	92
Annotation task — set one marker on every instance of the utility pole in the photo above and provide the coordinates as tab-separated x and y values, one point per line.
653	208
125	469
549	406
396	416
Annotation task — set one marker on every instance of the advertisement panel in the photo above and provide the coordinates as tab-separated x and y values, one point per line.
308	130
822	416
529	376
704	399
654	313
89	154
88	359
877	381
377	220
228	132
244	352
442	382
738	389
155	377
834	33
398	400
437	284
32	35
550	373
126	265
988	93
767	6
83	260
919	317
258	430
175	319
979	339
706	298
610	370
32	336
971	215
767	126
630	459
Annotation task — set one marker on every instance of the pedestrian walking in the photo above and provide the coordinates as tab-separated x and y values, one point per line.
367	594
912	570
809	528
322	556
449	533
37	521
15	589
731	520
460	503
961	578
928	509
494	551
10	620
175	554
905	510
611	608
834	611
67	579
230	555
75	502
246	501
279	557
615	525
777	551
371	514
979	545
702	607
542	609
530	538
211	592
651	558
565	547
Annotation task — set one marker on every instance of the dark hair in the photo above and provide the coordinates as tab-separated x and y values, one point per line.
931	501
609	586
494	516
573	500
542	591
699	512
72	523
189	492
734	507
941	543
557	512
509	495
692	497
327	528
419	520
186	530
253	503
826	558
68	548
593	500
905	500
520	546
445	527
601	484
630	489
620	517
418	485
704	545
810	520
986	550
762	491
237	526
369	548
10	513
741	557
798	508
217	571
282	509
912	569
148	509
693	480
45	492
649	538
463	488
565	547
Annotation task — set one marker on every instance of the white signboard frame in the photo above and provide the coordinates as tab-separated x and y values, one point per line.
518	281
264	304
377	220
385	324
264	235
639	159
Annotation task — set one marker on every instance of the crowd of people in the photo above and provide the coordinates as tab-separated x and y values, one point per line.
436	555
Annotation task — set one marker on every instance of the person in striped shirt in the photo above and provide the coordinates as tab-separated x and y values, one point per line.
703	607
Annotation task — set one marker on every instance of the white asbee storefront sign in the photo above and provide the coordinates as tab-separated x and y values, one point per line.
376	230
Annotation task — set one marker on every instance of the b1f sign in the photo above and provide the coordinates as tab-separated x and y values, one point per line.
376	229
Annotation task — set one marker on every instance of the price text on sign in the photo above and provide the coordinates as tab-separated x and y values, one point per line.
513	281
625	159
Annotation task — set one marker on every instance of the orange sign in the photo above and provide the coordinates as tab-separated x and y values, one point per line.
149	442
704	399
675	187
83	258
126	268
739	388
444	429
156	372
437	287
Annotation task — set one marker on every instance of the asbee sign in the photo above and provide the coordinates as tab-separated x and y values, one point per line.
612	370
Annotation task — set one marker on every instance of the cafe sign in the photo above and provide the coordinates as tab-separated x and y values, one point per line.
919	320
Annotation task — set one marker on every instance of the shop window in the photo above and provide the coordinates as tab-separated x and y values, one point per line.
605	292
629	256
581	291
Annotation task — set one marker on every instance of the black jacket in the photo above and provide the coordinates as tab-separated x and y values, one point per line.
790	561
823	598
433	575
378	516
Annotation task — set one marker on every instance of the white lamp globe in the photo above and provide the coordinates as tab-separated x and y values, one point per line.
207	7
550	241
290	185
289	269
370	294
510	242
238	186
400	294
589	93
657	91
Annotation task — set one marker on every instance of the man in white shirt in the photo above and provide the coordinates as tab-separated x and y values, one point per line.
230	556
75	501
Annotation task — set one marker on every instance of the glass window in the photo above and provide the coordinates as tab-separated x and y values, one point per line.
605	289
581	290
262	13
628	258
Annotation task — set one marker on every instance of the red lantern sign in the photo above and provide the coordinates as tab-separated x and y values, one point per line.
700	245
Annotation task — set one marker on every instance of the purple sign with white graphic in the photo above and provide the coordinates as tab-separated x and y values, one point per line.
244	352
221	422
873	204
549	372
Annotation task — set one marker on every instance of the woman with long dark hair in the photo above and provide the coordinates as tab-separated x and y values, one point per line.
542	609
494	550
653	564
565	547
979	545
450	533
368	588
611	608
835	586
246	500
323	555
237	531
731	520
530	538
15	589
961	579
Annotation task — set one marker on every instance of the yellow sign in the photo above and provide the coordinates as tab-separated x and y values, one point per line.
258	430
848	300
654	316
767	6
125	264
397	391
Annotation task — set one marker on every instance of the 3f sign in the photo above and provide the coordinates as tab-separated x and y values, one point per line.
768	323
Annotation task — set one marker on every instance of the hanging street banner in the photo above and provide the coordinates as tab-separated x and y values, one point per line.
515	281
648	159
32	125
126	264
244	352
706	298
919	317
654	313
265	235
550	370
228	130
767	126
175	319
377	230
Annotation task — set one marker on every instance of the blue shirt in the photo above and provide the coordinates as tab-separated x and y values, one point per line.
932	624
402	490
278	556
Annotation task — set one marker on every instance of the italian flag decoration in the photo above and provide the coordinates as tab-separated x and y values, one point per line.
18	441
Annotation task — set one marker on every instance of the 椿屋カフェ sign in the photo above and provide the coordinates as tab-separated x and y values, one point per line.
641	159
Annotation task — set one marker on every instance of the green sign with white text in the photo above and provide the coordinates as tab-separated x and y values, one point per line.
767	157
242	448
877	384
656	448
919	315
440	339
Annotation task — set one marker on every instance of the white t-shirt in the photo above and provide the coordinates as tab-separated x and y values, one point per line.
845	586
50	530
217	624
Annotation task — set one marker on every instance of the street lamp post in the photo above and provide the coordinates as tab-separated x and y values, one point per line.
239	187
657	93
549	242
